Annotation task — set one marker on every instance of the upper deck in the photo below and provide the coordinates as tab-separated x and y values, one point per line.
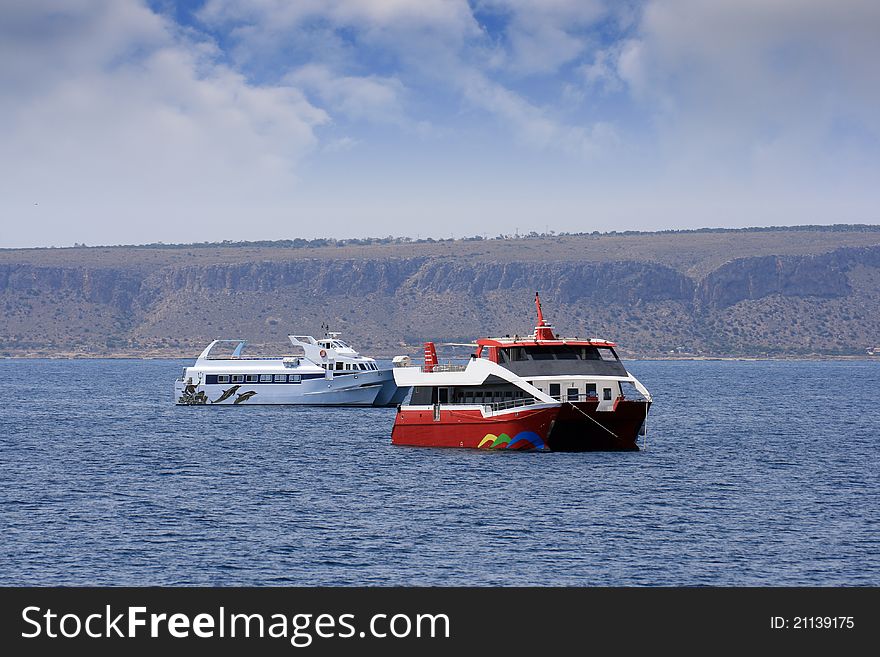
546	354
534	357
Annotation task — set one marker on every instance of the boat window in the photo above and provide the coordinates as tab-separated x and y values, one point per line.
251	378
512	354
280	378
508	394
555	390
338	365
238	378
562	352
559	352
591	390
572	394
294	378
265	378
223	378
606	394
606	353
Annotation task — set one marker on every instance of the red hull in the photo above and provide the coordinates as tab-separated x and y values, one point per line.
522	429
579	427
570	427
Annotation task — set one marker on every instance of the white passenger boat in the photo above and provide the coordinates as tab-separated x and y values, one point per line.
325	372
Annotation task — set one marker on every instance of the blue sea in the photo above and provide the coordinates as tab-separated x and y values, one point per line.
755	473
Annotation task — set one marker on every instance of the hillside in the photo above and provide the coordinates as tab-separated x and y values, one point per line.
777	292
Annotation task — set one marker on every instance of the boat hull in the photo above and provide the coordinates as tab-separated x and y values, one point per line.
579	427
315	392
569	427
525	429
390	394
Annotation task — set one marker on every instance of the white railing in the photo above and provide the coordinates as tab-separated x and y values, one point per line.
511	403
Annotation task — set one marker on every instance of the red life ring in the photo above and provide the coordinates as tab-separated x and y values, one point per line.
323	353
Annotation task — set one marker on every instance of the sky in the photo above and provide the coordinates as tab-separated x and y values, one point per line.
136	121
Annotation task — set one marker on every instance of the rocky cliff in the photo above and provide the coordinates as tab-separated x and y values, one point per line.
782	304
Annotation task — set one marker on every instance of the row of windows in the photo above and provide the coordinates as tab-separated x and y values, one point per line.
573	394
485	397
253	378
468	395
340	366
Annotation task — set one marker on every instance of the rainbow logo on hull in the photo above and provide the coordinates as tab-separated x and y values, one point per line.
522	440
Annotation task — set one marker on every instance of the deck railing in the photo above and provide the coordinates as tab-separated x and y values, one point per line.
511	403
637	396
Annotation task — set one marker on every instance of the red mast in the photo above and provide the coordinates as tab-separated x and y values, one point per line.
543	331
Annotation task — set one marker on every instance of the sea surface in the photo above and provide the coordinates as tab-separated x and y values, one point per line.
755	473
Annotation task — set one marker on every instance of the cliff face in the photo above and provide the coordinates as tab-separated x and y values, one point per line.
755	278
647	306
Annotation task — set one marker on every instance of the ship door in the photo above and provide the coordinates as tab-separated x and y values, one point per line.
606	400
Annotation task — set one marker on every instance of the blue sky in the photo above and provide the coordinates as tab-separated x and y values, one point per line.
127	121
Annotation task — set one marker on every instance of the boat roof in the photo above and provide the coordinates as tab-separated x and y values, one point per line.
531	341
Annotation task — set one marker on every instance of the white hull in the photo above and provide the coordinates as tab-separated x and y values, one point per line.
375	388
314	392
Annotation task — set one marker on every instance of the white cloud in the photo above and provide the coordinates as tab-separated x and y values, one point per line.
544	36
432	47
116	113
740	72
372	98
532	124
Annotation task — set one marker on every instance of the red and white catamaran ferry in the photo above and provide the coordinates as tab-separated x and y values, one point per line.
538	392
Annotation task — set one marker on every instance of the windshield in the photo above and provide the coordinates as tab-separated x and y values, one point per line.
558	352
